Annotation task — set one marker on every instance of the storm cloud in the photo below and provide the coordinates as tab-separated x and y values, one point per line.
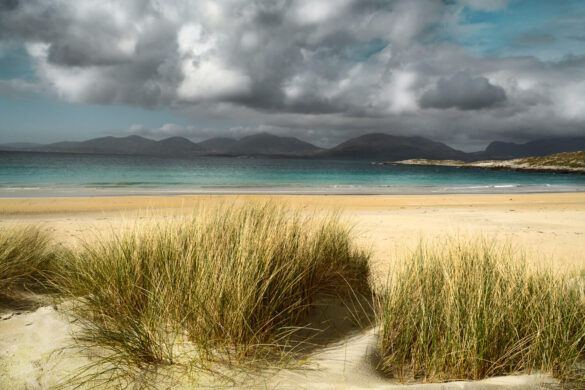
463	91
318	69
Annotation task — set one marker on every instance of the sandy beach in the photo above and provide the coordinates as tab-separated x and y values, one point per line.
549	227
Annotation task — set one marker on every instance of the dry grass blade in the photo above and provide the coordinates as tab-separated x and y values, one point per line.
27	261
473	310
227	286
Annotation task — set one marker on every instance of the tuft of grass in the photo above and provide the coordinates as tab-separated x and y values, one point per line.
470	310
231	285
27	259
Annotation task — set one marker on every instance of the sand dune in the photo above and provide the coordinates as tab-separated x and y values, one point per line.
35	354
551	227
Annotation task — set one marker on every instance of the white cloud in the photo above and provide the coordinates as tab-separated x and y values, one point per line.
319	11
209	79
570	102
206	76
194	41
401	92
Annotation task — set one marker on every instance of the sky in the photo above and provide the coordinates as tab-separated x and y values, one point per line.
463	72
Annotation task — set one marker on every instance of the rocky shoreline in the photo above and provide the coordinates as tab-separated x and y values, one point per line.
562	163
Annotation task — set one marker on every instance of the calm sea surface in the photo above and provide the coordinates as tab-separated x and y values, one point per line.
44	174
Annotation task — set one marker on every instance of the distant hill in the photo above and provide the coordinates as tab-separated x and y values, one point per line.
540	147
219	145
174	146
384	147
373	147
133	144
268	144
259	144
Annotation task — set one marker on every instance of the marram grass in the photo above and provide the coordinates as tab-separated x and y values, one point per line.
234	283
26	260
228	286
470	310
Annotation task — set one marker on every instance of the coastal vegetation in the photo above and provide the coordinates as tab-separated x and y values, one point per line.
569	162
27	260
232	287
475	309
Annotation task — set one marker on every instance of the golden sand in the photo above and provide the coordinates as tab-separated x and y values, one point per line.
549	227
10	207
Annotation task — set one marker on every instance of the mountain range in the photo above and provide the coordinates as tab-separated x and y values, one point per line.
373	147
384	147
536	148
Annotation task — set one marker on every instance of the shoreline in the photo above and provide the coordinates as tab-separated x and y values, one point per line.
560	171
494	189
561	163
44	204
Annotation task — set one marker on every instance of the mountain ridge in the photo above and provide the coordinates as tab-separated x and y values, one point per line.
384	147
257	144
536	148
371	146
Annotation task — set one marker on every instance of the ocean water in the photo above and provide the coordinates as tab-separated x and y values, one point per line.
53	174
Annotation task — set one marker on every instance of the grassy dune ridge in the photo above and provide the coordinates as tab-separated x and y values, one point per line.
235	283
474	309
229	286
27	258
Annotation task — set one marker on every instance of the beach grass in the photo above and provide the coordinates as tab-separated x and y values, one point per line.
229	286
27	259
474	309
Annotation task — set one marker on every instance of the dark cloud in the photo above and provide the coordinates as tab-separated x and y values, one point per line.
268	55
8	5
463	91
319	69
85	53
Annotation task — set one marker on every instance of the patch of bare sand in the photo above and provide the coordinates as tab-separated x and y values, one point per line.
33	356
33	350
550	227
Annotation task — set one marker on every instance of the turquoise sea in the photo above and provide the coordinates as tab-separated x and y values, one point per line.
25	174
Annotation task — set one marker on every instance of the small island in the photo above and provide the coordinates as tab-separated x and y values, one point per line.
569	162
